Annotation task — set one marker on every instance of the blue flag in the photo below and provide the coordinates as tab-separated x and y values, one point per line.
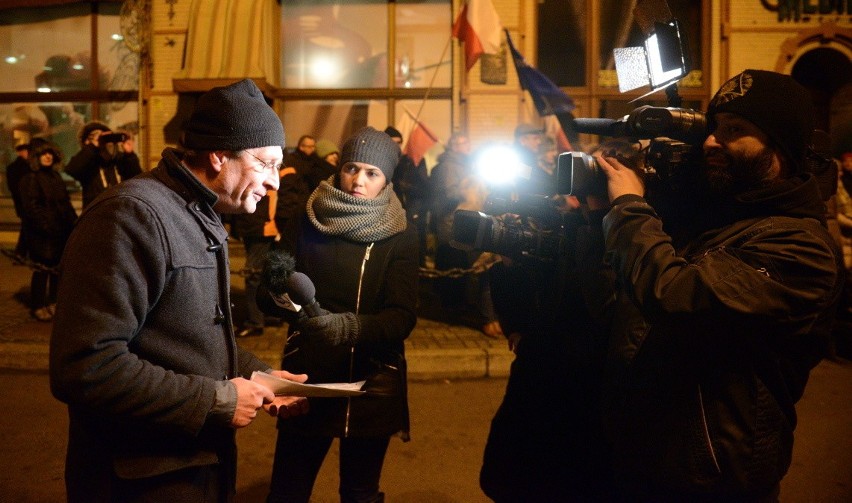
546	95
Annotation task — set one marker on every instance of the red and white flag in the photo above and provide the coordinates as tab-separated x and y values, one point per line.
418	138
478	26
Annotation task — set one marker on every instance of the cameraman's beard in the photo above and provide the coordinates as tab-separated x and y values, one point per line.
740	173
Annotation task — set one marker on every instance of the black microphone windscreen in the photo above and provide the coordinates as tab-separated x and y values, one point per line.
301	289
277	269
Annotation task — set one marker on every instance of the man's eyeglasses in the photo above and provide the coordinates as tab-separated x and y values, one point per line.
265	166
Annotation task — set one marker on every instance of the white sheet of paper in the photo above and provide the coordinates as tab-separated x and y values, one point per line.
283	387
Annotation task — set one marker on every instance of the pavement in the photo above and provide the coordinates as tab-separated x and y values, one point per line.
439	347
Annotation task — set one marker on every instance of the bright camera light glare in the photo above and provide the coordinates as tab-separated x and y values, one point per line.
11	60
655	63
117	37
498	165
77	66
43	89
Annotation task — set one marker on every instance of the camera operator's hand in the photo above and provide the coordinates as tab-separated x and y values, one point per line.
621	180
128	145
565	203
93	137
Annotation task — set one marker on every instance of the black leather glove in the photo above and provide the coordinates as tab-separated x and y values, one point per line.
338	329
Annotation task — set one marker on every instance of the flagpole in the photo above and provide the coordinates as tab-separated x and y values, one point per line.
432	81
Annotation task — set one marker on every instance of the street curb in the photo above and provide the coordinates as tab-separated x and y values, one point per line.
434	364
24	355
423	364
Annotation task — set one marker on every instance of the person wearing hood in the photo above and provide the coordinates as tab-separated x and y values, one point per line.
329	160
47	218
360	252
715	331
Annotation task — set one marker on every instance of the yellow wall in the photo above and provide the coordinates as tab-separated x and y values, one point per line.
747	36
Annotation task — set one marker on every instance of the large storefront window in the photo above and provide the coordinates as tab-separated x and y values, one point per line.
348	64
46	51
60	70
334	44
562	35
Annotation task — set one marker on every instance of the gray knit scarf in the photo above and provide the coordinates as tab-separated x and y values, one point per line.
336	213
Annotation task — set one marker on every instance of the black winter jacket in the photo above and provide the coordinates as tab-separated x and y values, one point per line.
96	174
384	296
714	342
47	215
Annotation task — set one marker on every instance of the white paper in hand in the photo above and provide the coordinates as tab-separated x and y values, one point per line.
283	387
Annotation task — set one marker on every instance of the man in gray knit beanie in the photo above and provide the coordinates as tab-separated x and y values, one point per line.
234	117
144	354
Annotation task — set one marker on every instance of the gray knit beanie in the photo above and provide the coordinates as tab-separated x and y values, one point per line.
372	147
234	117
775	103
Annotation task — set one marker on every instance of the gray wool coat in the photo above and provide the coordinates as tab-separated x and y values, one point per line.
143	333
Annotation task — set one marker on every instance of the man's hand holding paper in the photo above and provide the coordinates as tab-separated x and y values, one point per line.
287	406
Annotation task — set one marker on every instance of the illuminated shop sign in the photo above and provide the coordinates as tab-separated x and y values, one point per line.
796	10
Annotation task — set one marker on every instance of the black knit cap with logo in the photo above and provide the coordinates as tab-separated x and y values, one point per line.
775	103
373	147
234	117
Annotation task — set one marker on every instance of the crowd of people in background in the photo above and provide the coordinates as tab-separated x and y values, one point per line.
42	199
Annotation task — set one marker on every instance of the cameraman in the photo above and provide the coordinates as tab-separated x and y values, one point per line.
105	159
714	335
545	442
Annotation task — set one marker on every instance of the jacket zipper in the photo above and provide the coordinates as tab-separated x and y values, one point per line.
707	431
352	348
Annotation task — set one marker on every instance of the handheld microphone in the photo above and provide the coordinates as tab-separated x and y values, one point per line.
302	291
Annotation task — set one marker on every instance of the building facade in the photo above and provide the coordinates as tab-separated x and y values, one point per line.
329	67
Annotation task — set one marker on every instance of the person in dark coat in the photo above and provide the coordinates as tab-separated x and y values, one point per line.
258	233
361	254
715	331
48	218
143	348
528	139
546	442
329	159
14	172
412	187
300	176
103	160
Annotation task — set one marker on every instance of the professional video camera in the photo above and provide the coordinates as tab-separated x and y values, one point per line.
674	137
528	227
662	141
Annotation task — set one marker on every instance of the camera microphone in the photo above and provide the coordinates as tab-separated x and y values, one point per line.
650	122
602	127
302	291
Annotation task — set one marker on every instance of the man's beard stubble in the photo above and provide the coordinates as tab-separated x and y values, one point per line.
740	173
